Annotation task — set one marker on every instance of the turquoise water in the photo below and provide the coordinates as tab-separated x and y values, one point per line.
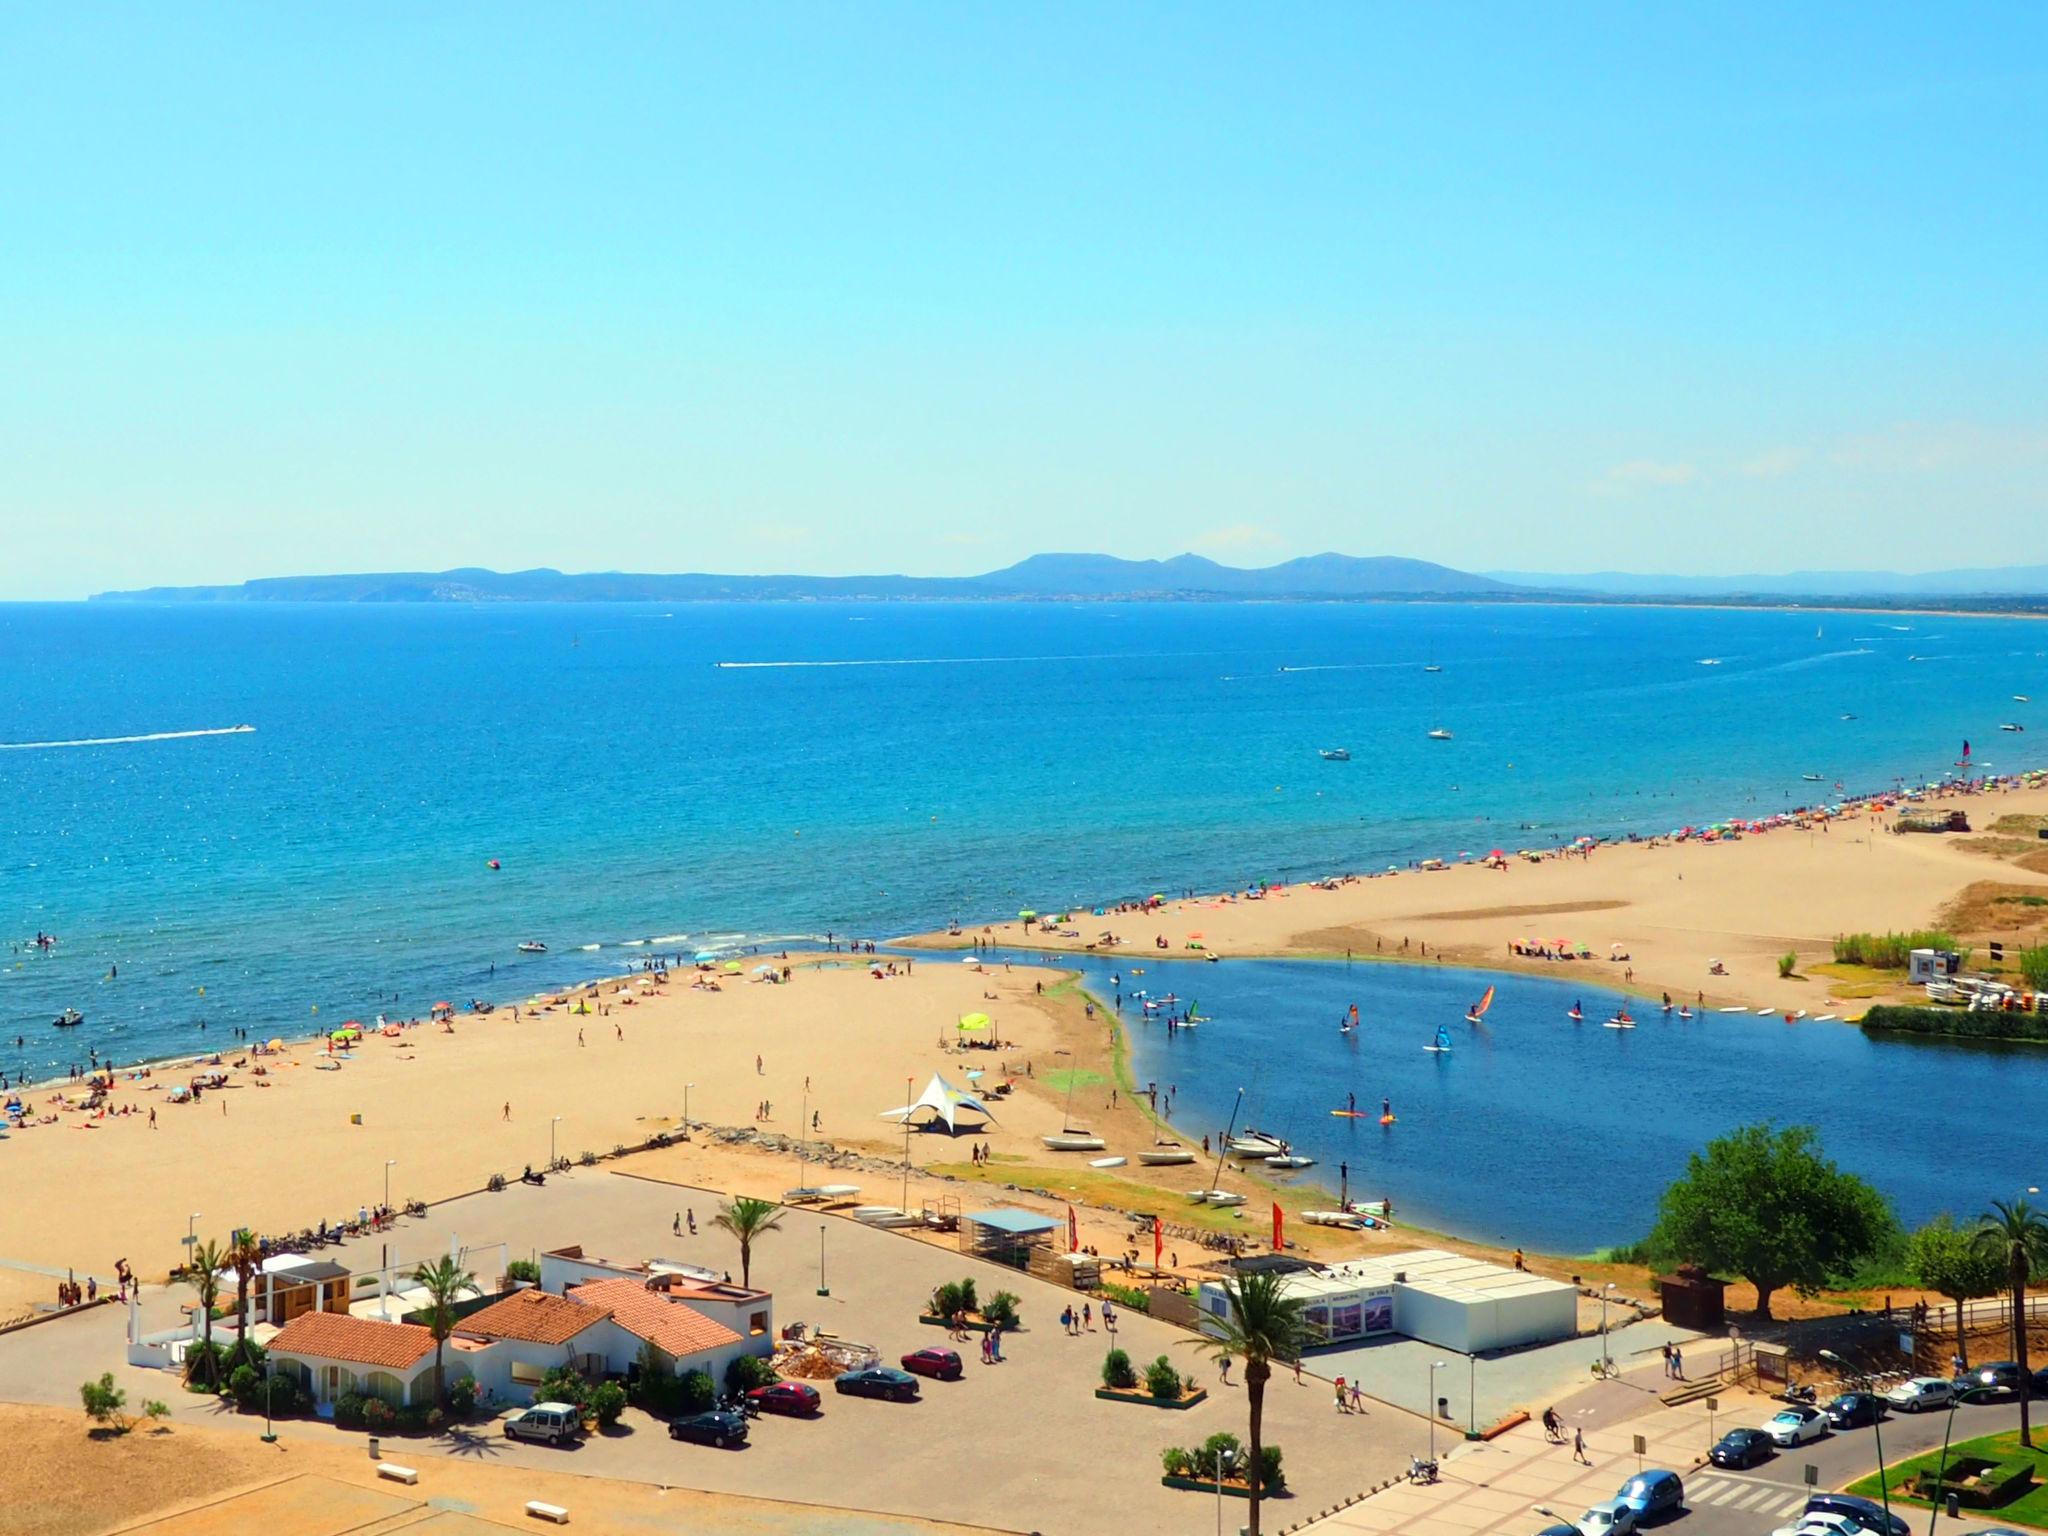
869	769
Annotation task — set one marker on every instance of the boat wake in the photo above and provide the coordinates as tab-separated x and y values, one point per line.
907	661
116	741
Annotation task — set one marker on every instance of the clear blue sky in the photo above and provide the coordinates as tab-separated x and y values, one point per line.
858	287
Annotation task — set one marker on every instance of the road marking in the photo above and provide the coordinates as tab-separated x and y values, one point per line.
1749	1494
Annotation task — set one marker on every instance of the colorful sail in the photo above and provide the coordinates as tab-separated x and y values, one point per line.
1479	1008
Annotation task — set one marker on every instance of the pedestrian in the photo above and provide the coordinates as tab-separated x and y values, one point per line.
1067	1319
1678	1362
508	1109
1341	1405
1357	1397
1297	1372
1223	1369
1579	1446
676	1227
1088	1316
691	1217
1667	1359
1108	1318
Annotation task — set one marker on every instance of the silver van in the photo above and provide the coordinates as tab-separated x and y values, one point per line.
553	1423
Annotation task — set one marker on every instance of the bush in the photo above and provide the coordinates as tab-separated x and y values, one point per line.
1126	1297
748	1372
379	1415
607	1402
2033	964
348	1410
462	1393
1116	1370
154	1408
1788	962
1976	1485
245	1386
694	1391
1162	1380
1271	1478
955	1298
1995	1024
523	1269
561	1384
1001	1309
1175	1461
1204	1458
1888	951
411	1420
104	1401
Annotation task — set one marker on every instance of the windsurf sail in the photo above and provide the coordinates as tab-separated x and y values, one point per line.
1443	1038
1478	1010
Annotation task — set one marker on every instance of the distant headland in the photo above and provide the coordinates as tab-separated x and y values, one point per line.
1184	578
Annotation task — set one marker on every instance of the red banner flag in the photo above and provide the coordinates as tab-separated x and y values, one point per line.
1158	1241
1073	1232
1279	1231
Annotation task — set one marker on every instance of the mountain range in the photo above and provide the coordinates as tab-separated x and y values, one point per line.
1183	577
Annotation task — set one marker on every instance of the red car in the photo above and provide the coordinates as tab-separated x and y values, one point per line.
785	1397
944	1364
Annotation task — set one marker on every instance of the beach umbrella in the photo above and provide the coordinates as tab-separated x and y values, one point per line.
1026	915
704	956
733	967
974	960
1496	854
974	1021
276	1045
764	970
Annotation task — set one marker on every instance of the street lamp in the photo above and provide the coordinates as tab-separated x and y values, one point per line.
551	1142
269	1431
1606	1360
389	1164
686	1109
191	1237
1434	1367
822	1291
1941	1467
1471	1397
1225	1460
1877	1429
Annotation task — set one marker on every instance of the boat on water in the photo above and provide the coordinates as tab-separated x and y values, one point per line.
2021	698
1072	1141
70	1018
1432	667
1334	755
1848	717
1710	661
1290	1160
1258	1144
1621	1020
2012	725
1439	734
1811	778
533	947
1166	1157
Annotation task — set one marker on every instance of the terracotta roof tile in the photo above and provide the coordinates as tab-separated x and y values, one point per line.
669	1325
337	1336
533	1317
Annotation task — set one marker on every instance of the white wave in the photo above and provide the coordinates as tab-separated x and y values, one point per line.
115	741
669	938
634	943
587	948
908	661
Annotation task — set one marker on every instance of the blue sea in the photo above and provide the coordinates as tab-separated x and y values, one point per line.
713	775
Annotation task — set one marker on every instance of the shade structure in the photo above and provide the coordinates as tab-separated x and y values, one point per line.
944	1101
974	1021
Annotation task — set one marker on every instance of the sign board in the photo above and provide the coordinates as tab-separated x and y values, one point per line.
1713	1405
1906	1345
1812	1475
1642	1446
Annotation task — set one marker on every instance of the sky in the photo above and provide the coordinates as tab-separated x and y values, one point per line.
873	287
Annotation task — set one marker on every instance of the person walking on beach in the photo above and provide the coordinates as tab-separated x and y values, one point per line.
1579	1446
508	1109
1223	1369
1342	1405
1677	1362
676	1227
1357	1397
1088	1317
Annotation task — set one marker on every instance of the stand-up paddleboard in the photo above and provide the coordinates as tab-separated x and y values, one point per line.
1574	1014
1386	1119
1685	1013
1619	1021
1351	1114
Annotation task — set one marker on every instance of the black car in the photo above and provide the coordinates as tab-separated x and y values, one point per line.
720	1427
1991	1383
1742	1448
1853	1410
1867	1511
877	1381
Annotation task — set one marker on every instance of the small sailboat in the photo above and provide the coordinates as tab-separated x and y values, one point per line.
1218	1196
1348	1220
1440	1046
1478	1010
1172	1155
1290	1160
2021	698
1074	1139
1432	667
1106	1162
2012	725
1811	778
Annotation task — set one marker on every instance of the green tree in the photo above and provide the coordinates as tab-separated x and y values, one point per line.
104	1401
1260	1324
444	1281
1950	1261
202	1367
746	1219
245	1257
2017	1236
1764	1204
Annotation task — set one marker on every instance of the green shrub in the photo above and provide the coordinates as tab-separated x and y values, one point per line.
1001	1309
748	1372
1888	951
349	1410
1966	1023
103	1401
1271	1478
245	1386
607	1402
378	1414
1976	1485
561	1384
1204	1458
1175	1461
413	1419
694	1392
154	1408
954	1298
2033	964
523	1269
1129	1299
462	1392
1788	962
1116	1370
1162	1380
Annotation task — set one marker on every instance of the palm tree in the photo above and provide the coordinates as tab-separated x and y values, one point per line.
444	1281
245	1257
202	1368
2018	1235
746	1219
1259	1325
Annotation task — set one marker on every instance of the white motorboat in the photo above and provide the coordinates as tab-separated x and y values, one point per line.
1107	1162
1334	755
2012	725
1073	1141
1290	1160
1217	1196
1166	1157
1439	734
1256	1144
1432	667
533	947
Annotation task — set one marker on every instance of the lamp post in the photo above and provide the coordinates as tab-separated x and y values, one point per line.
909	1084
191	1236
1471	1397
1434	1367
551	1142
1941	1467
389	1164
1225	1460
269	1432
686	1109
1606	1361
1877	1429
822	1291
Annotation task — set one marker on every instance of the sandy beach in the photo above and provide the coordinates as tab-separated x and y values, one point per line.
1672	908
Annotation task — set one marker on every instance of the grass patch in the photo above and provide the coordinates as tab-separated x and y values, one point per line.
1854	980
2029	1508
1072	1077
2019	826
1889	951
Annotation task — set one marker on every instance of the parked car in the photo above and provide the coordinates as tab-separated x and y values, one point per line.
1921	1393
1824	1525
719	1426
1651	1494
1742	1448
1613	1518
549	1423
1996	1381
877	1381
1853	1410
1796	1426
1559	1528
794	1397
1867	1512
944	1364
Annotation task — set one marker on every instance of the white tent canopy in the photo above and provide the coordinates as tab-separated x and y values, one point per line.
943	1100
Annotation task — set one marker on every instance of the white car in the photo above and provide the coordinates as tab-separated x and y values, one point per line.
1796	1426
1824	1524
1920	1393
1614	1518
